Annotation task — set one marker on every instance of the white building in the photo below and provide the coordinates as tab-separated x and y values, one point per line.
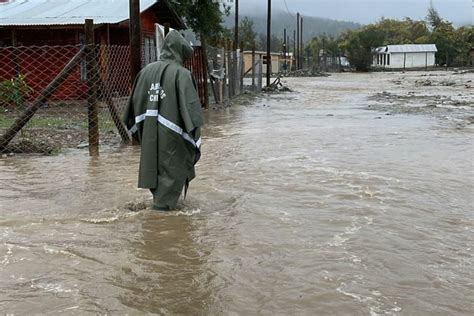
404	56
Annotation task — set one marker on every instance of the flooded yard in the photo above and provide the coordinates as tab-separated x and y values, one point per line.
351	195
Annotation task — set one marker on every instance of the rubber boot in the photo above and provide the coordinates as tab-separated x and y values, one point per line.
157	206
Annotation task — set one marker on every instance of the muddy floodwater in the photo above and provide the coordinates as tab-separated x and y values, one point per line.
352	195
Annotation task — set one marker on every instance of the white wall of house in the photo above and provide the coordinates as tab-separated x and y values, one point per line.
412	60
404	56
404	60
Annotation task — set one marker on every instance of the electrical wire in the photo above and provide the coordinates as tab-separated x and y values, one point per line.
288	10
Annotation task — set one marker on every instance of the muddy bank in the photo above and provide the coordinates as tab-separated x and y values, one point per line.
446	95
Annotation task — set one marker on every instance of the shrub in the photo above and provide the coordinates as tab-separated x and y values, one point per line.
13	91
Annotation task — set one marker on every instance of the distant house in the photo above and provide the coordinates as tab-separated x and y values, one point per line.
278	61
404	56
60	24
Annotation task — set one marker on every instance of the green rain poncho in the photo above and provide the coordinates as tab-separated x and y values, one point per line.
164	114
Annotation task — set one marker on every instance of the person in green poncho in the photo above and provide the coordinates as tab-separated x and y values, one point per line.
164	115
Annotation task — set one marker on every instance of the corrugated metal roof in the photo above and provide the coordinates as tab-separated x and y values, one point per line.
412	48
62	12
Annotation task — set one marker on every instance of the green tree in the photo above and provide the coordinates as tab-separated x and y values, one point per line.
247	33
204	17
464	39
358	46
405	31
433	16
276	45
444	36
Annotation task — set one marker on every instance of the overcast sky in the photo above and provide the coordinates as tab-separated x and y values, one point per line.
367	11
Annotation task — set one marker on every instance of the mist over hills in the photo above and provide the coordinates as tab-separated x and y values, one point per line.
313	26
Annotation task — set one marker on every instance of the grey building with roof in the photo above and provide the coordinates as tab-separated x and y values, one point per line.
404	56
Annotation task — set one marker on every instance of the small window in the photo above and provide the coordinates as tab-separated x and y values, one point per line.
388	59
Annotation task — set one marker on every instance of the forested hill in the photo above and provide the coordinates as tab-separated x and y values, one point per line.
312	27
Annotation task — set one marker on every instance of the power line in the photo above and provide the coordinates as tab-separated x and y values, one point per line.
288	10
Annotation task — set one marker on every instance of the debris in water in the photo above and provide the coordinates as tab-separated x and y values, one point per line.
277	87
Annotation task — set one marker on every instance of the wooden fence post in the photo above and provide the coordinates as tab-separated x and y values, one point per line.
230	68
241	68
260	74
92	82
205	69
135	39
225	89
253	67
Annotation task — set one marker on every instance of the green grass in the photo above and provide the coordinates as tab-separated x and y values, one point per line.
58	123
5	121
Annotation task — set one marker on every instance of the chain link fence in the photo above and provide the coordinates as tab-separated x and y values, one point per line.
56	97
73	96
232	72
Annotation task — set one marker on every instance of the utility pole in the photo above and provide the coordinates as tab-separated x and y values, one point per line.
234	48
294	47
285	45
297	41
269	37
135	39
236	33
288	51
302	45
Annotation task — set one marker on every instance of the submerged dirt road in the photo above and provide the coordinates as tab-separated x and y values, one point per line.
338	198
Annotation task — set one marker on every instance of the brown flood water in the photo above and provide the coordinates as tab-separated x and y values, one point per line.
305	203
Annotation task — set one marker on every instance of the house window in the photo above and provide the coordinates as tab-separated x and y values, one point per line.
388	59
384	59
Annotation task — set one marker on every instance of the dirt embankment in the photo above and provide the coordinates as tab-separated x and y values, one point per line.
444	94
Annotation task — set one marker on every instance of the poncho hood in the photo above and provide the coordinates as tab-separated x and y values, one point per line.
176	48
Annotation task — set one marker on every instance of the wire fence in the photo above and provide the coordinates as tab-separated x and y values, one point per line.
54	97
74	96
231	72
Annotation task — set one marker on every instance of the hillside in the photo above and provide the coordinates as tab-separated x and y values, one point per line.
313	26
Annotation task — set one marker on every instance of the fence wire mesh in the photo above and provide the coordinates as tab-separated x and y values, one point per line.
48	95
233	72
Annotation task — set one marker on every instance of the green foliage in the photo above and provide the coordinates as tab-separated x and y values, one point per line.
247	33
331	45
358	45
398	32
464	39
453	45
433	17
444	37
13	91
204	17
276	45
